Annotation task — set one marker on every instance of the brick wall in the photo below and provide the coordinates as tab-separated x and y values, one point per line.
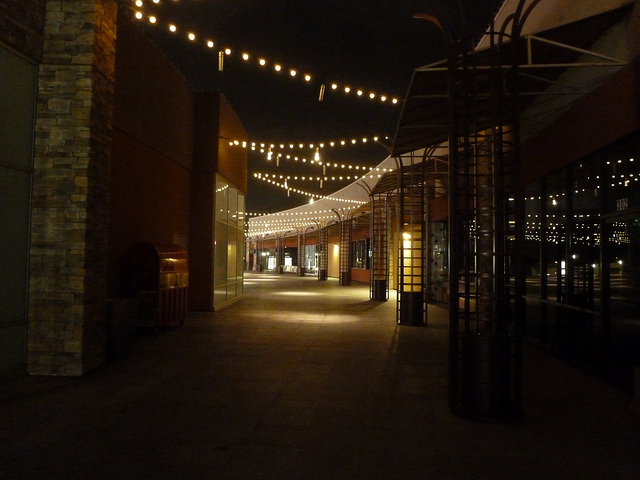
70	184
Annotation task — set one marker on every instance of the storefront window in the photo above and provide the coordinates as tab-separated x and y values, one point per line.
582	257
360	254
229	238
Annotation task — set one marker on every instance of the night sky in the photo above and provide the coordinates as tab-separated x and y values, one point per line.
372	44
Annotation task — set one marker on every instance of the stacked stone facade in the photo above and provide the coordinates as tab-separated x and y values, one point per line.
21	25
70	188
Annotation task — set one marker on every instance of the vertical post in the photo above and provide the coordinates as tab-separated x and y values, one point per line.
379	247
323	252
345	250
301	253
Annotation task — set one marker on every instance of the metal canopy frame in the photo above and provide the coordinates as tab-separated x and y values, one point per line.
541	59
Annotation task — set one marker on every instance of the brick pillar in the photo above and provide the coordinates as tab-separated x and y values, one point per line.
68	248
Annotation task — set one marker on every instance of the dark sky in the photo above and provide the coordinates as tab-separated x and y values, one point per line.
373	44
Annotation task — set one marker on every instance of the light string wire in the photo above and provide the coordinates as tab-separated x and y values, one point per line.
227	52
312	196
306	178
262	145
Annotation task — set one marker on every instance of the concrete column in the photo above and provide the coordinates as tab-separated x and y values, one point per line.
68	264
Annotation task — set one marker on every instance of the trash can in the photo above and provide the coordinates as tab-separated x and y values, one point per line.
380	290
159	279
411	308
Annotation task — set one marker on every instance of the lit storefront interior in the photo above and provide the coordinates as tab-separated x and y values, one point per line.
229	242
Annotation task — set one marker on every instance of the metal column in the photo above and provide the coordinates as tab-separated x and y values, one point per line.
323	252
345	250
380	247
412	264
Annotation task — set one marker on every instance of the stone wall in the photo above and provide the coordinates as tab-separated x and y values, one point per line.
70	185
21	26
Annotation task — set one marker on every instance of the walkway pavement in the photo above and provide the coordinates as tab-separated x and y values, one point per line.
302	379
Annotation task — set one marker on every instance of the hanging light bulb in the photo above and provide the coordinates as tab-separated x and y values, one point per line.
316	157
269	154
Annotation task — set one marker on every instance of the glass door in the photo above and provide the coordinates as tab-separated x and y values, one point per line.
621	284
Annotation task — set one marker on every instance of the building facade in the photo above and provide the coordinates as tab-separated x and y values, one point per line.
103	145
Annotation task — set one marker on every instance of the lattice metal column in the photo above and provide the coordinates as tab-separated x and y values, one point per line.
301	253
279	253
258	264
346	230
486	231
323	252
379	247
411	306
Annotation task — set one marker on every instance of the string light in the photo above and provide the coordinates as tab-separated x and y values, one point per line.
293	220
261	145
247	57
308	178
324	165
307	194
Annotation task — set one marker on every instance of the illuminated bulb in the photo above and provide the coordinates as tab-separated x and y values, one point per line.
192	36
307	77
334	86
277	68
293	73
245	56
262	62
359	93
173	28
347	89
139	15
372	95
210	44
316	157
227	51
383	98
394	101
138	3
152	19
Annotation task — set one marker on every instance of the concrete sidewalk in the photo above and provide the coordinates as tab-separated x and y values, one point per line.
302	379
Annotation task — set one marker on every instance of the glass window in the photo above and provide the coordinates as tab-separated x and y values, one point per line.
360	254
622	173
555	205
229	238
222	206
584	254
